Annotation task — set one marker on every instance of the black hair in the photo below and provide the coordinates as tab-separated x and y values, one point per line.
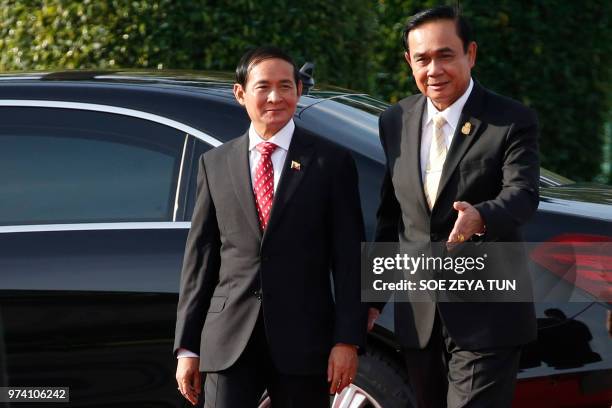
464	31
256	55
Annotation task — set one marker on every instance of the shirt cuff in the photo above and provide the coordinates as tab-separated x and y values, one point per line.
483	231
182	353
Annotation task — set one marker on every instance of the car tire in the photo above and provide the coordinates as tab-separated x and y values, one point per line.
384	379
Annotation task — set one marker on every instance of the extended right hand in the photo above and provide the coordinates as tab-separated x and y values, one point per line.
188	378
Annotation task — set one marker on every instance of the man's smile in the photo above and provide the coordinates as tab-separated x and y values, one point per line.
437	85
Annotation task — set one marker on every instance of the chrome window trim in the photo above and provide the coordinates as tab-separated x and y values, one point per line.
549	182
180	177
113	109
96	226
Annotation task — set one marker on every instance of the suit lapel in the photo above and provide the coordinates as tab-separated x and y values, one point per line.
411	148
240	174
461	142
300	152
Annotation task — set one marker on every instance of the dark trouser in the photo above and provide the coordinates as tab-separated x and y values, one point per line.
444	375
242	385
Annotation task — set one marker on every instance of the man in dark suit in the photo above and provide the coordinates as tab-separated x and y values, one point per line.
276	210
462	164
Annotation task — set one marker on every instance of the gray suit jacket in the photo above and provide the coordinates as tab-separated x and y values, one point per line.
231	271
495	168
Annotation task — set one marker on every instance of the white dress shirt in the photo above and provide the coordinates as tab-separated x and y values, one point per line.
282	139
452	115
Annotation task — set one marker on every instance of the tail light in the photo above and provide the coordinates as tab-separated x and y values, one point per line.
583	260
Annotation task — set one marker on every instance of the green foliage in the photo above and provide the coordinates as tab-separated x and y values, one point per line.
186	34
90	34
394	80
553	55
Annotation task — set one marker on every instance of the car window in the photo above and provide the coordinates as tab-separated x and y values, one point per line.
363	102
76	166
199	149
371	174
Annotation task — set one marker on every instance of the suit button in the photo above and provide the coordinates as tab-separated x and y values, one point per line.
434	237
257	294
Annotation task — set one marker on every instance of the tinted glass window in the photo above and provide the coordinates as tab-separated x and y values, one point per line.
371	174
199	149
338	121
72	166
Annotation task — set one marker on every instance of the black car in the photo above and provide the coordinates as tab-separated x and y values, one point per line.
98	173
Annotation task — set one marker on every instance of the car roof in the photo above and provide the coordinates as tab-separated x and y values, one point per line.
214	83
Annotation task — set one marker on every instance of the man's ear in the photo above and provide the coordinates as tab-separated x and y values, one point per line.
239	93
407	58
299	88
471	51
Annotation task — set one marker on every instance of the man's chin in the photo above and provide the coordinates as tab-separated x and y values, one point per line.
271	128
440	101
277	123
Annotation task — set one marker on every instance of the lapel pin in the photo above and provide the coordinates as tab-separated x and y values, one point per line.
295	165
467	128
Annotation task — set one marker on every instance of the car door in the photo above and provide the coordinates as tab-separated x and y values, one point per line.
91	244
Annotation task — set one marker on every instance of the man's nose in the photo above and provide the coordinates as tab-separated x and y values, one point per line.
434	68
274	96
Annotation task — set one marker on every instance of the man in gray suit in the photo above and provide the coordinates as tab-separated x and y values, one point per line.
462	164
276	210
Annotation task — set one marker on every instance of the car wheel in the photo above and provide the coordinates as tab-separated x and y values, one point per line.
380	383
383	380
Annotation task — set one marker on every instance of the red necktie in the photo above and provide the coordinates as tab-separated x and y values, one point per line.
264	183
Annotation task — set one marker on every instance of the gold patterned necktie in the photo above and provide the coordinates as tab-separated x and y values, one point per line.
435	162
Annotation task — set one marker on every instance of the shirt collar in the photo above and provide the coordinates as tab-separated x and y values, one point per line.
282	138
453	112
